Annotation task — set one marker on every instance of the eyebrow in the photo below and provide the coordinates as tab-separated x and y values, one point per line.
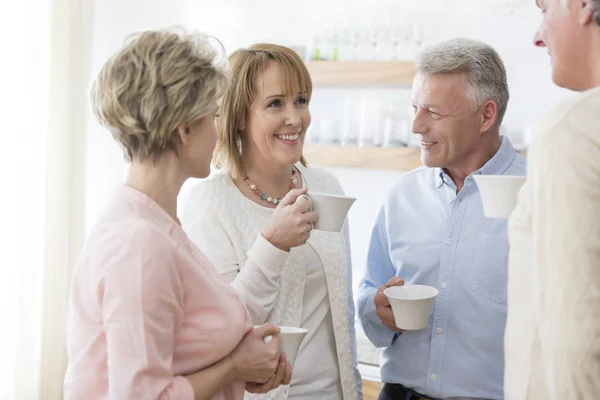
281	95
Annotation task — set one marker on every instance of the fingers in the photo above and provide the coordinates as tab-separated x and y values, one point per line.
310	217
395	281
303	203
266	330
291	196
280	374
380	298
288	371
385	314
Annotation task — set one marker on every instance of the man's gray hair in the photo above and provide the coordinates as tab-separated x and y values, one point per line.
594	4
481	64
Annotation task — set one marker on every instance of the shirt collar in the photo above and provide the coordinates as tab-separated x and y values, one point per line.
495	166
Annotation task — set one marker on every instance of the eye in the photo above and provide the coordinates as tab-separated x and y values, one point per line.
414	109
275	103
302	100
434	115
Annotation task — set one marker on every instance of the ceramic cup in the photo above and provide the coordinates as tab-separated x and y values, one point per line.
499	193
411	305
290	339
333	210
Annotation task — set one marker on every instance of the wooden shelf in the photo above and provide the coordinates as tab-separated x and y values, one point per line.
387	158
351	73
390	158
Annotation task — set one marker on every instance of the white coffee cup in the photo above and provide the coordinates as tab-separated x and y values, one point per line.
411	305
290	339
499	193
333	210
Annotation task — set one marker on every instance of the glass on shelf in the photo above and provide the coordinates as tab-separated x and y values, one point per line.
350	122
330	133
363	46
345	45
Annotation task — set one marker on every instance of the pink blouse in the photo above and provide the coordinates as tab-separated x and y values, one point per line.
146	307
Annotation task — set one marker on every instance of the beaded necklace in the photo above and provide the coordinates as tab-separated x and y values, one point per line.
263	196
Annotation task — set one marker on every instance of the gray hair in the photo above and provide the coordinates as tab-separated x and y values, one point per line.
483	67
594	4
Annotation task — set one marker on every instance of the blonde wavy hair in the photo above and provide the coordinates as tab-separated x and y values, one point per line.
157	81
245	66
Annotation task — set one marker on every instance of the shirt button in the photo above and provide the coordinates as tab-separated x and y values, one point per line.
444	285
433	377
450	200
439	330
449	241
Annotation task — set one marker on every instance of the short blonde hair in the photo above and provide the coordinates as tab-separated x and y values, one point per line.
245	67
157	81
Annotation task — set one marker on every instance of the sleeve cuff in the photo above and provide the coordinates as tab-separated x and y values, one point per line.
268	257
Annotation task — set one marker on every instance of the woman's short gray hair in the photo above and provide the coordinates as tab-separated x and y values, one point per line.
483	67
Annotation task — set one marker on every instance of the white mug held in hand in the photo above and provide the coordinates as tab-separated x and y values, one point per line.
332	210
411	305
290	339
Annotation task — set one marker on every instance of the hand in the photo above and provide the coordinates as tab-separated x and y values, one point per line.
282	376
253	359
291	222
383	307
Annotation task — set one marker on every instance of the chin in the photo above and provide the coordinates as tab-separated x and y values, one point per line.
566	80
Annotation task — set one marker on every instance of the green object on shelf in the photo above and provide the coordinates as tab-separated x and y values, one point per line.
317	54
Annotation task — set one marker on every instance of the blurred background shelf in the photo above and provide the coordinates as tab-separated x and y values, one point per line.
386	158
349	73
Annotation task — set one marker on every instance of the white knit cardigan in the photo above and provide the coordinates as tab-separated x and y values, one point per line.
243	224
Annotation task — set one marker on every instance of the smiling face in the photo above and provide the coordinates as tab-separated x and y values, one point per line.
277	120
449	129
564	32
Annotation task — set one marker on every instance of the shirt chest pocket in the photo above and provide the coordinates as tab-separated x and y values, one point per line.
490	271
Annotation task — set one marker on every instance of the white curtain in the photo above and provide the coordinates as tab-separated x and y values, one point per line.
44	71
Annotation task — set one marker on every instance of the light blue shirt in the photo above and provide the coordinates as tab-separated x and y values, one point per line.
427	234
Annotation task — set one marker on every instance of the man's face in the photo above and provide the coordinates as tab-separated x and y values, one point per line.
563	32
448	126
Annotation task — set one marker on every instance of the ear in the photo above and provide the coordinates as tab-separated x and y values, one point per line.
183	132
489	114
585	9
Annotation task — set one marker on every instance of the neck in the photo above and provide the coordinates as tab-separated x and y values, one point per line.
161	181
591	79
473	162
273	180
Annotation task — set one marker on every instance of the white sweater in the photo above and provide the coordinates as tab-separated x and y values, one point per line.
552	339
226	226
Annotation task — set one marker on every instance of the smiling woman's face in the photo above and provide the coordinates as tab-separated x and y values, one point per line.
277	120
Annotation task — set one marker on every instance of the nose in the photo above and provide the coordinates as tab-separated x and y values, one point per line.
292	117
538	41
419	126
